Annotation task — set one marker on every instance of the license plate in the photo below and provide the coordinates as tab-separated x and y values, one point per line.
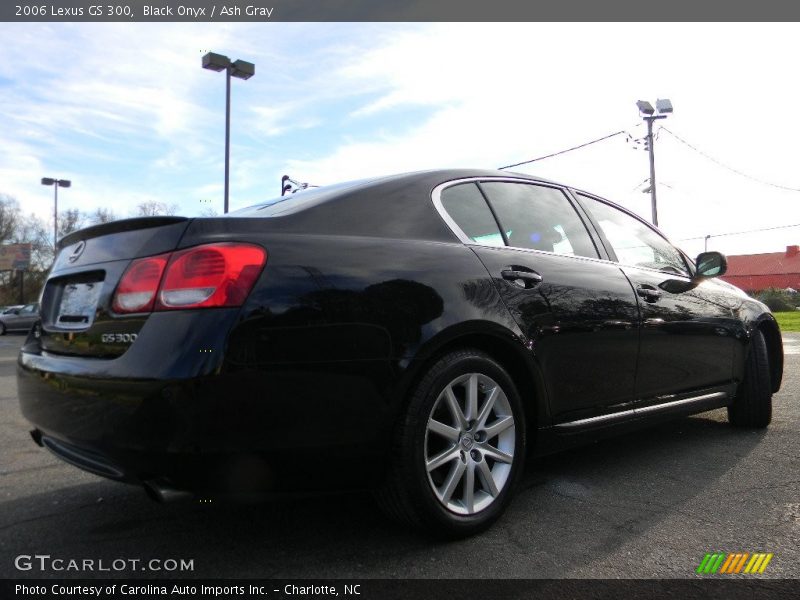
78	305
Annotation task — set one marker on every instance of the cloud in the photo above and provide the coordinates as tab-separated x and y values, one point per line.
501	93
128	114
88	99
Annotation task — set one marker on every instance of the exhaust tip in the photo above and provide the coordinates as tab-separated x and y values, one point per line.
163	493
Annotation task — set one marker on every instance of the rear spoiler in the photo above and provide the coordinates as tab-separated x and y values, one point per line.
117	227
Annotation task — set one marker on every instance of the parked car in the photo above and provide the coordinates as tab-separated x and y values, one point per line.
18	318
415	334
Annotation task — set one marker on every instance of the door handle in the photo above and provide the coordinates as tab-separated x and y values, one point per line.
648	293
523	278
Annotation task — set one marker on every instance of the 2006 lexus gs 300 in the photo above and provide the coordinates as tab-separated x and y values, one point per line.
413	334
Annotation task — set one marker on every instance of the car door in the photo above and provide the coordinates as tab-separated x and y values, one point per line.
578	311
688	331
11	318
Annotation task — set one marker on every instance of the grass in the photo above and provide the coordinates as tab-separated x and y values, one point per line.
789	320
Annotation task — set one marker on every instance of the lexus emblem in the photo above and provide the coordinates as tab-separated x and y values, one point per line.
77	251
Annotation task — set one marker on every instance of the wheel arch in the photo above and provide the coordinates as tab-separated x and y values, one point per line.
772	336
503	346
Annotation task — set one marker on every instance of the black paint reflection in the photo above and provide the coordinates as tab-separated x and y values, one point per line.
333	324
688	335
582	325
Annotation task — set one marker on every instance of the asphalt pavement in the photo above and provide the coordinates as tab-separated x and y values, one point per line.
648	505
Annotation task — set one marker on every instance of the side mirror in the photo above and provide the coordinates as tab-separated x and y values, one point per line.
711	264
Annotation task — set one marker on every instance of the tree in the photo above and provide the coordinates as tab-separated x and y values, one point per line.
102	215
33	230
9	217
151	208
15	228
70	220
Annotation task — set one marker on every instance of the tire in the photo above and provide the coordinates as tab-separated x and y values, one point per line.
752	406
2	329
437	452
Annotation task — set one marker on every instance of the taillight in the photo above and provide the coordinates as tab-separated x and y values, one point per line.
137	290
210	275
203	276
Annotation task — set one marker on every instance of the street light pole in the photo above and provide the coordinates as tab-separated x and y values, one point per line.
56	183
242	70
227	133
664	107
55	219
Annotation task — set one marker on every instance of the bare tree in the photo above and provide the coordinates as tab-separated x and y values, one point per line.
33	230
152	208
102	215
18	229
70	220
9	217
15	228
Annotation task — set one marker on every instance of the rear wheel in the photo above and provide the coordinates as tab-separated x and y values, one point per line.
752	406
459	448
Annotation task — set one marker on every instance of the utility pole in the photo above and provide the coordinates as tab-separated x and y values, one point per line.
664	108
650	147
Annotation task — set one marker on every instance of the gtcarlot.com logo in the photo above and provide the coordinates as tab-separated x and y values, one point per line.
46	562
732	563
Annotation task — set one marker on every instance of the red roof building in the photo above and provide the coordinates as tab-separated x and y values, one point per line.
756	272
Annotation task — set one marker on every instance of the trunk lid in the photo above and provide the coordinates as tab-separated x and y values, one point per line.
76	301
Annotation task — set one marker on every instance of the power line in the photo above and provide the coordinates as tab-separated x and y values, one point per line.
724	166
525	162
702	237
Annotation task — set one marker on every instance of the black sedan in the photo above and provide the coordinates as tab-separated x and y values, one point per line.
415	335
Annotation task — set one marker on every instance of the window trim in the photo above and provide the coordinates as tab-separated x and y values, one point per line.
488	202
436	197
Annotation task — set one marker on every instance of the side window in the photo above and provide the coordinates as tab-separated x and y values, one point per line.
27	309
539	218
466	206
633	242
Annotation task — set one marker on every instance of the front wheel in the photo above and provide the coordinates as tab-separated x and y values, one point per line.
752	406
459	448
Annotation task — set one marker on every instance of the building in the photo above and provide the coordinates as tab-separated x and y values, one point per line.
756	272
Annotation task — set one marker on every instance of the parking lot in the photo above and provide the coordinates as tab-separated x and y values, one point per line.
649	504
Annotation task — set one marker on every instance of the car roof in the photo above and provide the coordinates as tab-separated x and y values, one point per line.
396	206
421	179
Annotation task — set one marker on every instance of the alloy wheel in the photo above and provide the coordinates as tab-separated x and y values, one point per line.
469	443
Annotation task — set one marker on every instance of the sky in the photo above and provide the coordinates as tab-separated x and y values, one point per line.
126	112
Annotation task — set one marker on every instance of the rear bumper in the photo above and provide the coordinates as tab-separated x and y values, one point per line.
83	459
252	431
